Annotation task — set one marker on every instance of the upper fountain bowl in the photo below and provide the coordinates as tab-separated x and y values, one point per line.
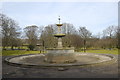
59	35
59	24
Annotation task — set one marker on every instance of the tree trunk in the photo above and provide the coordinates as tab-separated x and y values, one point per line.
11	47
84	45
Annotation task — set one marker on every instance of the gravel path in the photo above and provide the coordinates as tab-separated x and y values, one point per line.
105	70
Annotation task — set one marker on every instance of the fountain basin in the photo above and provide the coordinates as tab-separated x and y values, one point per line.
37	60
59	25
59	35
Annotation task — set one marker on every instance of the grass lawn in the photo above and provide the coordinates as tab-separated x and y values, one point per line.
115	51
22	52
17	52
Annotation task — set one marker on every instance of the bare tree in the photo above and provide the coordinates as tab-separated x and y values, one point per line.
85	34
118	37
40	30
10	31
68	28
109	31
109	34
31	34
70	32
47	36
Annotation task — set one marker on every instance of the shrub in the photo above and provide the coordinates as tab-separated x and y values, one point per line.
31	47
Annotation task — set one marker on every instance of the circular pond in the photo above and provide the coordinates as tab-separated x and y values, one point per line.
82	59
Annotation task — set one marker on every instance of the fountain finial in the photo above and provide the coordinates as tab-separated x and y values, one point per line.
59	19
59	24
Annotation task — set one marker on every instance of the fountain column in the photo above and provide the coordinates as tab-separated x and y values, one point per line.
59	32
60	43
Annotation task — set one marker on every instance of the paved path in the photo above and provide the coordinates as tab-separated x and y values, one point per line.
106	70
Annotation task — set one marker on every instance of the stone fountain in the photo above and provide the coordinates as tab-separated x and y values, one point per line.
60	54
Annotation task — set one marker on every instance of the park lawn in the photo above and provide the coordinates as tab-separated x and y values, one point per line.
22	52
23	47
17	52
115	51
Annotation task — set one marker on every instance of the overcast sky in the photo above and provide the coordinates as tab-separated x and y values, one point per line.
95	16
